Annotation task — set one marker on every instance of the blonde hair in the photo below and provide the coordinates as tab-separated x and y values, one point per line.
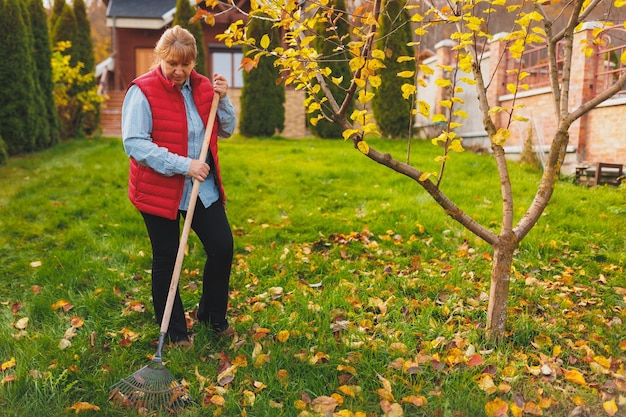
176	43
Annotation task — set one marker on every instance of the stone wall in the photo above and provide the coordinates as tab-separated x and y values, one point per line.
295	120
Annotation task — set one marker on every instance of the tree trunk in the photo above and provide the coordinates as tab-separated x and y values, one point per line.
503	251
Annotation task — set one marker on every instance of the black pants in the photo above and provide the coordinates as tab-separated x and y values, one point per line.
212	227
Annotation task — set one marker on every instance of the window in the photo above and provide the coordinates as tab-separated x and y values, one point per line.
227	63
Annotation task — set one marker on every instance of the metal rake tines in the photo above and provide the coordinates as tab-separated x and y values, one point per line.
150	388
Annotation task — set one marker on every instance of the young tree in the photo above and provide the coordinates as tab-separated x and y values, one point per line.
392	113
262	97
42	55
333	36
536	26
182	17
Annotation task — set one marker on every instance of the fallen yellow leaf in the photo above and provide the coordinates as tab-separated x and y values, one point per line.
347	390
81	406
610	407
416	400
496	408
283	336
574	376
8	364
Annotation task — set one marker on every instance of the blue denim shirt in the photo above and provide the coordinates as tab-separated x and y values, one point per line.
138	144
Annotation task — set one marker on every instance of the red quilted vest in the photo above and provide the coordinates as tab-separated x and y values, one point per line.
148	190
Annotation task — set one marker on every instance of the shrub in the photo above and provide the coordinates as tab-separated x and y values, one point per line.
391	111
262	98
334	48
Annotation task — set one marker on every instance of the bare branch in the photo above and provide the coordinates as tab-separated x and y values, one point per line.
450	208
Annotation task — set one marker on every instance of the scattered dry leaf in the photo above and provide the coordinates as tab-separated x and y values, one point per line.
81	406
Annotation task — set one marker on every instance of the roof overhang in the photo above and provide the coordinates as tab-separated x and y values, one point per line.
136	23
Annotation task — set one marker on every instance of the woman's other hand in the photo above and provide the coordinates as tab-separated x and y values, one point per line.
198	170
220	85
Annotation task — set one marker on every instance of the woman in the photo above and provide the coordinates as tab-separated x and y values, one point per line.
164	116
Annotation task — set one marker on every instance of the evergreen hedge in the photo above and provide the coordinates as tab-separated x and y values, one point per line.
391	111
262	97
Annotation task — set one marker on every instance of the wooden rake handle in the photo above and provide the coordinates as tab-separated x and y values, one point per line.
167	314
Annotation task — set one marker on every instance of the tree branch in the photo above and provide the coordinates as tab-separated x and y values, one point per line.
449	207
604	95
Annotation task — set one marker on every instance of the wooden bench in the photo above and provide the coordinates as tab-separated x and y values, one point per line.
602	173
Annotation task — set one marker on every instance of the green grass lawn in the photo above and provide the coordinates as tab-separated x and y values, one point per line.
352	292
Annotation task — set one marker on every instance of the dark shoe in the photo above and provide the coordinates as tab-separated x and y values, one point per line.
227	332
187	343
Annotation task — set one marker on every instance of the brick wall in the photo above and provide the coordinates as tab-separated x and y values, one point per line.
606	141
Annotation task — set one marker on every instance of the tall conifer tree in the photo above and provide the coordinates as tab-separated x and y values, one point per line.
38	125
83	51
184	12
64	28
391	111
17	101
83	45
332	44
42	55
57	9
262	99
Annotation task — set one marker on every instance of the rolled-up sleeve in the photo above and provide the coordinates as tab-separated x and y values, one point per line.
137	139
227	119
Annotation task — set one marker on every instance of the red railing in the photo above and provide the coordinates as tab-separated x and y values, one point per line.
534	61
608	63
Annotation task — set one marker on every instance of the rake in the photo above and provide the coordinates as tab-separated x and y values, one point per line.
153	387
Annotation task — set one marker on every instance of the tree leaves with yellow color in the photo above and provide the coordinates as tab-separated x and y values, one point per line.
363	147
265	41
425	69
501	136
408	90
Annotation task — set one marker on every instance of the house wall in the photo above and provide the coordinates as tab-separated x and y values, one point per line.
606	141
595	137
128	40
